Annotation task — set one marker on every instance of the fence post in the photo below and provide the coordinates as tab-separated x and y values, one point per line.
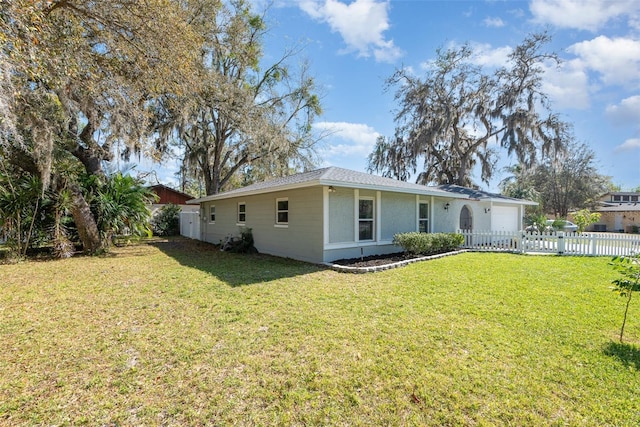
560	242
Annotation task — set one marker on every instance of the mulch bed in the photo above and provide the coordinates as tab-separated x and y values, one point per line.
375	260
378	260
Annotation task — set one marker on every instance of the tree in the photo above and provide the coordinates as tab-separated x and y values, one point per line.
519	184
447	119
77	76
568	180
242	117
584	218
625	286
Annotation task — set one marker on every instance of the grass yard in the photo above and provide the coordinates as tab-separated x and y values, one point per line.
176	333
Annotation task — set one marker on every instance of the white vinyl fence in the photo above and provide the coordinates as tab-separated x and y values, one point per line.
190	224
561	243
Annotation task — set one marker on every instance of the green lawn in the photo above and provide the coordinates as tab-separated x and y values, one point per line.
178	333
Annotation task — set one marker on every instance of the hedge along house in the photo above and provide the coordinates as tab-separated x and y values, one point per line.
334	213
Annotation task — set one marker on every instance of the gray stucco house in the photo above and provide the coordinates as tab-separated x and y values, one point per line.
333	213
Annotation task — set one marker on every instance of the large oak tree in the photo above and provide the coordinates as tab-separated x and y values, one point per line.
460	116
77	76
243	116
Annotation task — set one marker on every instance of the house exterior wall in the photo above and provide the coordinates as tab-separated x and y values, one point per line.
448	220
323	223
300	239
342	224
485	216
623	221
398	214
394	213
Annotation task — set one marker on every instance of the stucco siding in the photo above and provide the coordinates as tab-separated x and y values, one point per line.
398	214
355	252
341	208
301	238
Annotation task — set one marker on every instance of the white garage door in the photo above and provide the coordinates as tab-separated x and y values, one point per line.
504	218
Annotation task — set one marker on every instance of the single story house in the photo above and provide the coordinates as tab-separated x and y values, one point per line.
334	213
619	212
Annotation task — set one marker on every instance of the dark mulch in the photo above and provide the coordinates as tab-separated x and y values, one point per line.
376	260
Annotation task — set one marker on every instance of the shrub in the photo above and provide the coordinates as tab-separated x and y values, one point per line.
243	245
585	218
167	221
428	243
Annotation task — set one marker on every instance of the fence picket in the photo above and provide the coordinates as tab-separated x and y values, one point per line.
592	244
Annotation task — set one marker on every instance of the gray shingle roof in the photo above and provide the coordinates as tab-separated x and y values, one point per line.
335	176
481	195
340	177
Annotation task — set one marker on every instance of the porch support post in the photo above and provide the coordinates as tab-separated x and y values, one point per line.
377	216
356	204
325	215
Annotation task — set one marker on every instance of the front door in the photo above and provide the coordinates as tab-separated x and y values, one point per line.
618	222
466	221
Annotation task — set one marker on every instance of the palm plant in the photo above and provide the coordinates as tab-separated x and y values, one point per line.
122	205
18	212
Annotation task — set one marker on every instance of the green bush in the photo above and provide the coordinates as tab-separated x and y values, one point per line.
242	245
428	243
167	221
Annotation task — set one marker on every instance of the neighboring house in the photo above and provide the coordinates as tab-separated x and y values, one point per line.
189	214
335	213
619	212
168	195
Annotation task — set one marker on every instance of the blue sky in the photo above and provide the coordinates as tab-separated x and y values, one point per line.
353	46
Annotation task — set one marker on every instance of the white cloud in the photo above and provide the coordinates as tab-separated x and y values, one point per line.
629	145
348	139
582	14
626	112
617	60
493	22
361	25
567	85
487	56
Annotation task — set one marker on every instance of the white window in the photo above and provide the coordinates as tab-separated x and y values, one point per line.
242	213
212	214
282	211
365	219
423	217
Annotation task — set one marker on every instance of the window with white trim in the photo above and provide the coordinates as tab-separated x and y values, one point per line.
212	214
365	219
423	217
282	211
242	213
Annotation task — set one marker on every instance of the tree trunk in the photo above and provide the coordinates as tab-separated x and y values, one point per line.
85	222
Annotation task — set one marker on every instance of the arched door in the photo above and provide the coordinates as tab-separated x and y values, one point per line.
466	220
